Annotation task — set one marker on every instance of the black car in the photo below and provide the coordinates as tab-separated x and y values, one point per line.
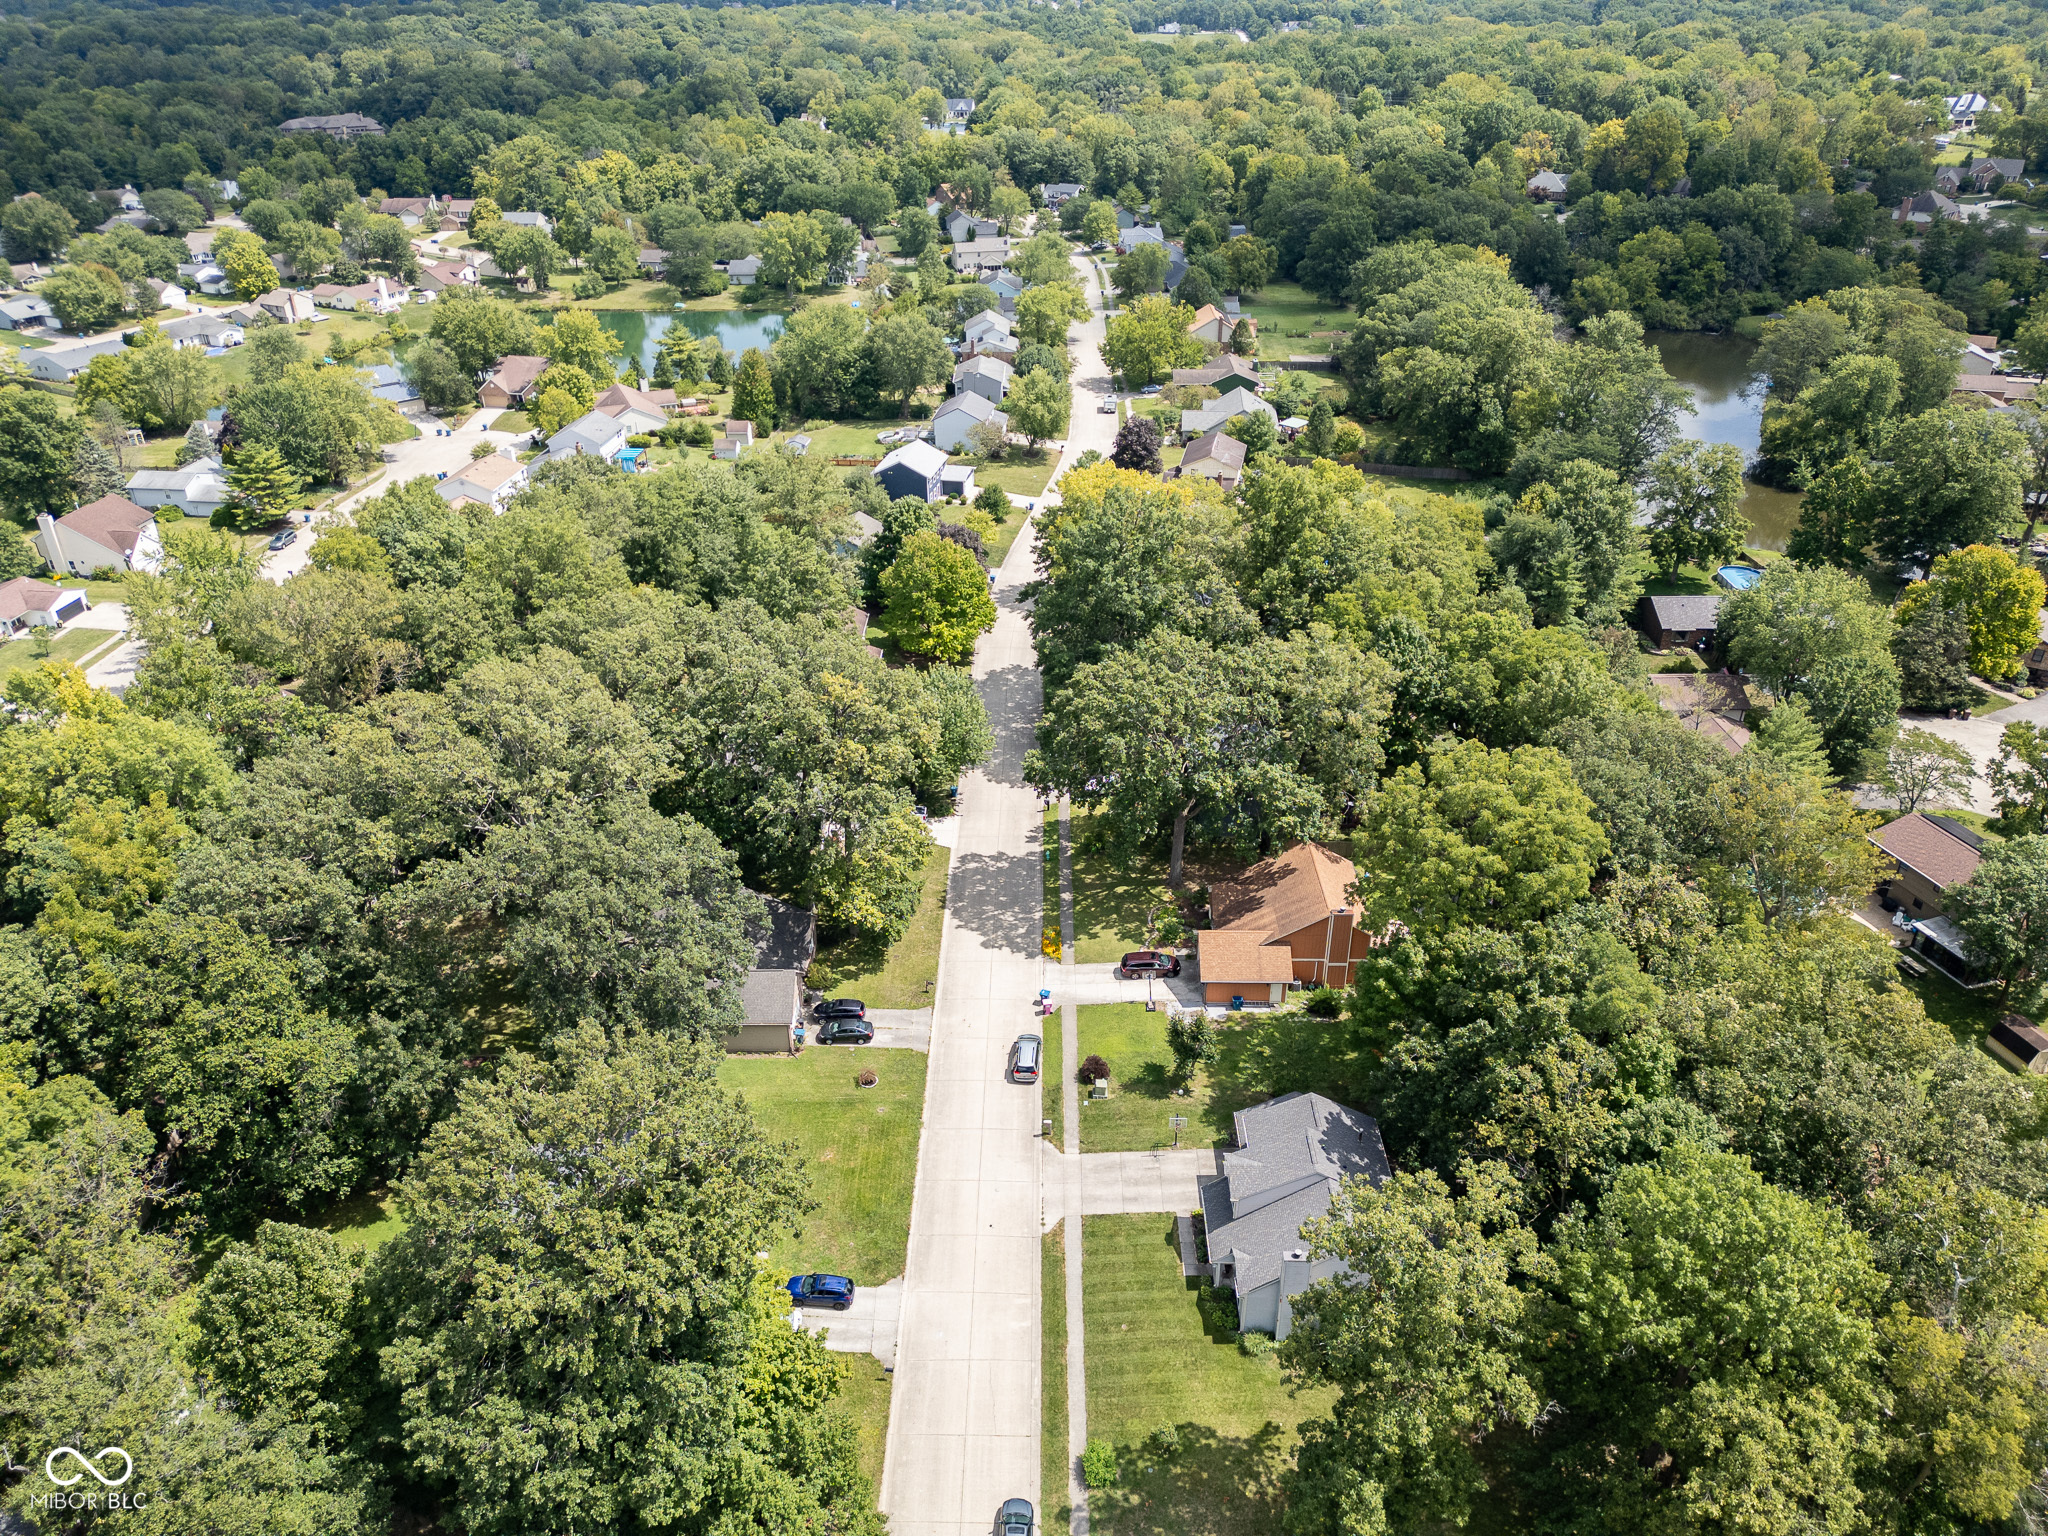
1148	962
1014	1518
840	1008
845	1032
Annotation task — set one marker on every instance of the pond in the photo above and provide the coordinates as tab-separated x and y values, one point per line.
1728	407
640	331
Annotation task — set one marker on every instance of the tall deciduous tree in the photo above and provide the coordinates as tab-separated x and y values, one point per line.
1695	494
38	447
1954	479
1039	406
907	353
939	603
1999	599
753	391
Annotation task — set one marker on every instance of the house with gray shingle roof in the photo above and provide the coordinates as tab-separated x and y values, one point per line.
1292	1156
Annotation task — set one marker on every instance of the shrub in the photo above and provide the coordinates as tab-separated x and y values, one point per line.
1165	1443
1257	1345
698	433
866	1079
482	451
1218	1310
1093	1069
1324	1003
1098	1464
103	573
640	440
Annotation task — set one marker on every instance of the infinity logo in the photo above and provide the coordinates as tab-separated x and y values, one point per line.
50	1466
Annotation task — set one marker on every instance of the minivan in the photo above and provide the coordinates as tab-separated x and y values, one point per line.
1024	1059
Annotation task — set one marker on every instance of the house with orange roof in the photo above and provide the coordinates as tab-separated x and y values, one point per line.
1287	921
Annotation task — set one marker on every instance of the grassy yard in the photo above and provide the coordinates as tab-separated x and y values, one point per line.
73	645
1112	893
997	548
1286	313
1055	1513
1152	1366
512	421
864	1398
901	976
1017	475
1142	1083
367	1220
858	1144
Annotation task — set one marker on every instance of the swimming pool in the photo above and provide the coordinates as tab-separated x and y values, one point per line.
1738	578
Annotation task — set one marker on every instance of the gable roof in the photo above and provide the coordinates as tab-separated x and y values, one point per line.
1228	367
1214	444
1931	846
981	362
1239	402
1694	611
1204	316
921	458
623	397
24	594
967	402
488	473
1286	893
516	373
1544	181
114	522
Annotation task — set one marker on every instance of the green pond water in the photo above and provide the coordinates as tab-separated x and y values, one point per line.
1728	407
639	331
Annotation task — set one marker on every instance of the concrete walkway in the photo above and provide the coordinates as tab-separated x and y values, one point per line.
963	1425
869	1327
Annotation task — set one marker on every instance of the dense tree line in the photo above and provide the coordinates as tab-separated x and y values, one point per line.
435	865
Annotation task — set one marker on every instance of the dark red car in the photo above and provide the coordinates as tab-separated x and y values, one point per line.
1148	962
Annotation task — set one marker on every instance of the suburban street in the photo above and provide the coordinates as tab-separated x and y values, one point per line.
963	1427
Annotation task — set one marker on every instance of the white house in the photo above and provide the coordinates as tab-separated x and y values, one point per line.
286	305
529	220
492	481
1292	1156
959	415
746	270
27	604
1057	194
204	329
437	275
206	277
60	365
112	533
983	375
27	313
595	433
989	330
739	436
962	227
200	488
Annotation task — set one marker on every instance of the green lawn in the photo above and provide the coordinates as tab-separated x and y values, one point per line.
1286	313
903	975
997	547
1141	1084
1112	893
367	1220
1017	475
512	421
1055	1513
1152	1366
859	1146
864	1397
73	645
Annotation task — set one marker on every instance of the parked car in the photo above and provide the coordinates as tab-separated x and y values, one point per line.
840	1008
1151	389
1015	1518
834	1291
1024	1058
283	537
845	1032
1148	962
1107	408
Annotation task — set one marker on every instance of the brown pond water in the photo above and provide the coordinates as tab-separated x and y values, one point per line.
1728	407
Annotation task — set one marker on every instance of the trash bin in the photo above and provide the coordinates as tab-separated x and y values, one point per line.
1236	1004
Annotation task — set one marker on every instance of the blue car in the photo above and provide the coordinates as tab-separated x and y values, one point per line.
834	1291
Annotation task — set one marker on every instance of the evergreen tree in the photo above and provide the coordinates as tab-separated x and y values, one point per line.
95	472
719	370
198	443
1790	734
753	391
264	485
633	376
1320	436
664	376
1244	338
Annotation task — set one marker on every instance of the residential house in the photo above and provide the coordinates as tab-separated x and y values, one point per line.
1924	208
527	219
988	331
27	313
2036	663
1963	109
2013	1040
960	414
207	278
409	211
743	271
26	604
1950	179
438	276
200	488
594	433
206	329
1007	286
1545	187
1995	390
638	409
494	481
1676	621
1213	456
1292	1156
984	254
286	306
456	211
962	227
1287	921
121	199
1214	413
739	436
167	295
1211	325
914	469
1142	234
1227	372
983	375
771	998
1169	29
1931	855
1057	194
60	365
650	261
1980	357
112	533
508	385
344	125
958	110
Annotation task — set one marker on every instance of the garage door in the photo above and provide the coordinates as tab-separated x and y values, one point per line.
71	610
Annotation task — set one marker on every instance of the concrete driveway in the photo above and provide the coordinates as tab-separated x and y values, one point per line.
428	455
113	669
868	1327
1133	1183
1979	737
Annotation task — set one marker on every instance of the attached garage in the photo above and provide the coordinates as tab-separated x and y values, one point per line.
1240	965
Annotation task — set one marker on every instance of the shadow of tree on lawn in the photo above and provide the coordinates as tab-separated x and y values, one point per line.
1208	1485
